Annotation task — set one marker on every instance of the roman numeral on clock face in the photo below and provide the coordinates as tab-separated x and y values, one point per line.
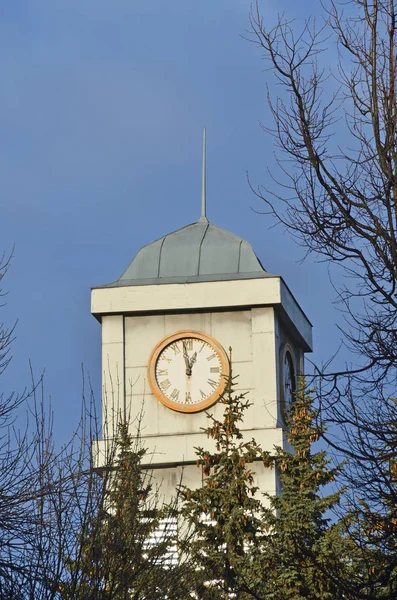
211	357
162	372
165	385
175	395
176	348
214	370
212	383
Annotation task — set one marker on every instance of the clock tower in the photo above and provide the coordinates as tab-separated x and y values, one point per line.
167	325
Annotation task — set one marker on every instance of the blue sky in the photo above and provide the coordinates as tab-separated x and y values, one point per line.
102	106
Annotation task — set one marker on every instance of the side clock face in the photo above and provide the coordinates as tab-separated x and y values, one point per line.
188	371
288	377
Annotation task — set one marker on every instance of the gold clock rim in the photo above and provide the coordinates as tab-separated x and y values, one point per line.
151	371
283	351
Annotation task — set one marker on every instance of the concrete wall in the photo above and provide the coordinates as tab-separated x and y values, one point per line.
256	335
127	343
170	436
168	480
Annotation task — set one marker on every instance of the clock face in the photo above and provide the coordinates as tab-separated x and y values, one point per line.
188	371
288	381
289	378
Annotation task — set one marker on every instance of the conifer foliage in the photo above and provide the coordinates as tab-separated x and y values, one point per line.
224	513
282	547
128	547
306	554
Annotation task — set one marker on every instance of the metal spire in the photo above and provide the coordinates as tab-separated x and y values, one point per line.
203	181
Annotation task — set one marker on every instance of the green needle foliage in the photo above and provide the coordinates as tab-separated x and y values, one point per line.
305	554
282	547
225	513
122	555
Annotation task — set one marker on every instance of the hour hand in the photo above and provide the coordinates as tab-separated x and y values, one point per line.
187	361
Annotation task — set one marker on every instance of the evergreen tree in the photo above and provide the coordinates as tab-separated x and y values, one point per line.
128	549
281	547
306	554
225	513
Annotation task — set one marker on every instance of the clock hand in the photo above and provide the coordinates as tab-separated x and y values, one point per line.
187	361
192	361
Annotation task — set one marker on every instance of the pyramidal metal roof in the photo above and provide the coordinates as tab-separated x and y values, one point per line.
198	252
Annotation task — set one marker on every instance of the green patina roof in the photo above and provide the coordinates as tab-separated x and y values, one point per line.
198	252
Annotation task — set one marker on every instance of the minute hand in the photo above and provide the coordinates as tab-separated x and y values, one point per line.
193	360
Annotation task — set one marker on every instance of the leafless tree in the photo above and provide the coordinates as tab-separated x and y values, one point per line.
56	521
103	532
335	132
34	473
19	472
